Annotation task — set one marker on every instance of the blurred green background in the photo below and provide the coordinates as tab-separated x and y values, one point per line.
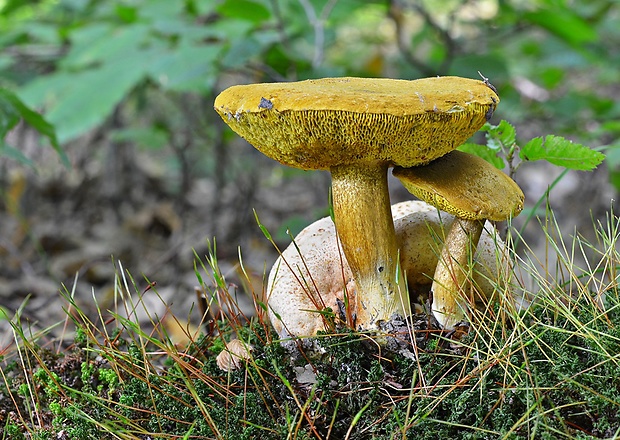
153	173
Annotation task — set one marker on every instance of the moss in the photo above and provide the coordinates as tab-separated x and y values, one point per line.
13	431
560	379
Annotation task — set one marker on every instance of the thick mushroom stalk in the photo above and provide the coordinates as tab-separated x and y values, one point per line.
357	128
366	230
472	190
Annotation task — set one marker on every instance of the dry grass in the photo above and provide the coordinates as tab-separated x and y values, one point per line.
550	371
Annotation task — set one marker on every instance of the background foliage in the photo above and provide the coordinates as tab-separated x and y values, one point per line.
141	168
129	87
554	62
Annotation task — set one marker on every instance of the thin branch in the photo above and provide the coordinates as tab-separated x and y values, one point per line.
444	35
318	24
395	14
284	39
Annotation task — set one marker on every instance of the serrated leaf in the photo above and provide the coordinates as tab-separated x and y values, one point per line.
492	142
484	152
561	152
500	135
506	133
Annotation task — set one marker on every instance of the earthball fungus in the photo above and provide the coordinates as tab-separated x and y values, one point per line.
357	128
472	190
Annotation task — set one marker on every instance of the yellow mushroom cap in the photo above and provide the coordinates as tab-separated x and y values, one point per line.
465	186
319	124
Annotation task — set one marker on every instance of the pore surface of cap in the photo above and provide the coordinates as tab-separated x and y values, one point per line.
465	186
319	124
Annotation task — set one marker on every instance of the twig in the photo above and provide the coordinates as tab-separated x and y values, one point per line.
444	35
318	23
394	12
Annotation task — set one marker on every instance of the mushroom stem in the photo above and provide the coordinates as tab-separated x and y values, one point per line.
450	299
364	225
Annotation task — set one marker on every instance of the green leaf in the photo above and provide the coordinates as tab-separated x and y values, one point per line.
188	67
552	76
484	152
612	153
561	152
153	10
36	121
9	116
611	127
564	24
103	43
4	314
148	137
244	10
85	98
118	62
500	135
11	110
241	51
15	154
128	14
262	227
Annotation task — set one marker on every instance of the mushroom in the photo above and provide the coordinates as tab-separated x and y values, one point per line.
472	190
311	274
357	128
235	352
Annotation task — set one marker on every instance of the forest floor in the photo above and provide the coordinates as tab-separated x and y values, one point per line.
75	229
92	231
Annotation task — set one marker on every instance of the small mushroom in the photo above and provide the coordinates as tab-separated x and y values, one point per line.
312	275
472	190
357	128
233	354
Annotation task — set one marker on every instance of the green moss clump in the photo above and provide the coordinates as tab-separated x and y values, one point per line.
552	373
